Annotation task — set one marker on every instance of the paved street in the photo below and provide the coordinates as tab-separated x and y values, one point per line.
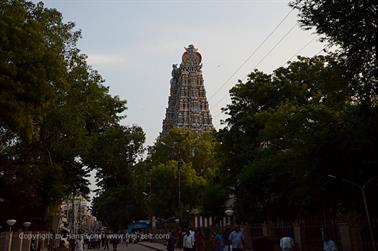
130	247
123	247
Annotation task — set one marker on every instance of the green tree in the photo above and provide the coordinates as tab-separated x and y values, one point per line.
32	64
156	177
197	148
114	155
352	27
164	188
53	107
117	206
287	131
213	200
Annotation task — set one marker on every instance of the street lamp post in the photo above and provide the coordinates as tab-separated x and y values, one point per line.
229	213
1	175
10	223
362	189
26	224
179	169
149	209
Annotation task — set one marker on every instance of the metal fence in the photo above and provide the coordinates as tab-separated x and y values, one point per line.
15	242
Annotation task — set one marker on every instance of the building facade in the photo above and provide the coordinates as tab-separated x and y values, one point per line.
76	217
187	104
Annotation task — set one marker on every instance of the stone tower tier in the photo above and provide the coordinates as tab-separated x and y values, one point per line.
187	103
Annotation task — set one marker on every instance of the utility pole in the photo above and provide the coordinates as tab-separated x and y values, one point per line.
150	212
362	189
73	214
179	166
178	157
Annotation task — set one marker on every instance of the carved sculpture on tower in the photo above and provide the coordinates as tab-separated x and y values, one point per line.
187	104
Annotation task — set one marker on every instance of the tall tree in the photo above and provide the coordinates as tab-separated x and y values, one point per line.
352	27
197	153
53	106
197	148
287	131
114	155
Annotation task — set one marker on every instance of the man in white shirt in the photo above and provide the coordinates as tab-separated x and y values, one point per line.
193	235
188	241
329	245
287	243
237	239
79	244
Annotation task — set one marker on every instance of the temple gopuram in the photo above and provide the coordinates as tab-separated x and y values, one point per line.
187	104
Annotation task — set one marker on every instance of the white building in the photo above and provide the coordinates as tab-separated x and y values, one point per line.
76	217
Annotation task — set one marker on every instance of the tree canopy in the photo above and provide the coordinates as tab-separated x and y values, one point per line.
352	27
198	152
289	130
54	108
151	187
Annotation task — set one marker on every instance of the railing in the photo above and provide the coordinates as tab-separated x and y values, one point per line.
22	241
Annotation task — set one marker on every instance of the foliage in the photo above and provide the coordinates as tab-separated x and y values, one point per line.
213	200
164	188
114	156
114	153
198	148
198	152
53	107
118	206
150	187
351	26
287	131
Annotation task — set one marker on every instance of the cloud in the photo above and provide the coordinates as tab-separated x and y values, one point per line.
103	59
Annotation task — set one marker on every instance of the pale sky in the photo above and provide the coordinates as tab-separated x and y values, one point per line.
133	45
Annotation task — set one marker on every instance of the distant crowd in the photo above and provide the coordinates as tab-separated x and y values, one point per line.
98	241
230	239
196	240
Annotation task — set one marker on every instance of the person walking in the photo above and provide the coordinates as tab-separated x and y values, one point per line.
33	245
106	242
171	242
219	241
329	245
236	239
102	240
79	245
188	241
96	241
287	243
200	239
179	237
72	244
226	235
114	243
193	235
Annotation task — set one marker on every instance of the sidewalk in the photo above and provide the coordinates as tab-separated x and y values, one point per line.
155	246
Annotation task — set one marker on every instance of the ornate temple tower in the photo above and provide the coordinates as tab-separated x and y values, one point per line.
187	104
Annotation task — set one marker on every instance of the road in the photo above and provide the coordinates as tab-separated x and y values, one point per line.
123	247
